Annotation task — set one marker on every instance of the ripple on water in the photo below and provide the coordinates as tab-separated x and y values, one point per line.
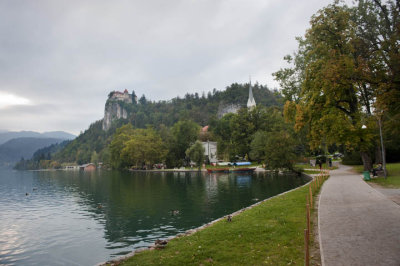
60	222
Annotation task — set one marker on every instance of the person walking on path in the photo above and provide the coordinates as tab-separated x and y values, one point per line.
357	224
320	164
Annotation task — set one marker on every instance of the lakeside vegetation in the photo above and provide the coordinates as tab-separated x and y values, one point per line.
271	233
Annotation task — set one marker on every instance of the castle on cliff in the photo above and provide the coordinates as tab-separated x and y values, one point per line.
113	109
121	96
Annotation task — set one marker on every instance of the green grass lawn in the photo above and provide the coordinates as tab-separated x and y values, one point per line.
271	233
312	172
393	179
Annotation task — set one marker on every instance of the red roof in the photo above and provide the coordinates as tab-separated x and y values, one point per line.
125	91
204	129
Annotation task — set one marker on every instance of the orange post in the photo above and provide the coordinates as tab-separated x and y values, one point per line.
306	251
308	217
311	198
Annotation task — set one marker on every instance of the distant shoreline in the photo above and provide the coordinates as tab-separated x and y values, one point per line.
139	170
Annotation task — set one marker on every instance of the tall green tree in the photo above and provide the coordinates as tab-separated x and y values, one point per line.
196	153
144	147
258	146
121	136
334	101
378	29
279	150
184	134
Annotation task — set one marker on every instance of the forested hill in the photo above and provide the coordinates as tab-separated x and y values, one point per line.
91	145
198	108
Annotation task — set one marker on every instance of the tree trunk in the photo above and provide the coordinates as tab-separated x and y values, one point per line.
367	162
378	154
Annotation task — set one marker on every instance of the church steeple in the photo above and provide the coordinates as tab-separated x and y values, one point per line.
251	103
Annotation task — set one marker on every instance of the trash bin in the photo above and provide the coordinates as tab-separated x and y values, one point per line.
366	176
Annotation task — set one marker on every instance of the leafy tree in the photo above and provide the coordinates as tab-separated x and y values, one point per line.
144	147
243	129
122	135
290	78
196	153
184	134
378	30
257	146
279	150
241	134
223	129
136	147
333	100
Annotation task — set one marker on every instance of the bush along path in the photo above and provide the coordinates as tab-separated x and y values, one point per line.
270	233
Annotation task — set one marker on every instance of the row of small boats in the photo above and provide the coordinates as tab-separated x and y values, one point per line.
231	170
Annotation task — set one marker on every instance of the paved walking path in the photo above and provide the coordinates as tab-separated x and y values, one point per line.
357	224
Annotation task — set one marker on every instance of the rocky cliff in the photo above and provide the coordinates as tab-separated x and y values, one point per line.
113	111
224	109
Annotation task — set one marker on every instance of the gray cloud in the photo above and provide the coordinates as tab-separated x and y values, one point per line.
65	56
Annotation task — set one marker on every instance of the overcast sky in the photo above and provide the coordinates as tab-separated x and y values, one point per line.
60	59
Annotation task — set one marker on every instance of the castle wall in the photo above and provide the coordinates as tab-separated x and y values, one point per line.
125	97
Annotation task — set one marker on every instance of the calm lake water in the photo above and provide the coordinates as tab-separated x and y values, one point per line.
78	218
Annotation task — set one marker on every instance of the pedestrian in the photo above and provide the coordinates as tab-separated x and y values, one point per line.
376	170
320	164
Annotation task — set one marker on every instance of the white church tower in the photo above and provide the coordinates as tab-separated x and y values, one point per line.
251	103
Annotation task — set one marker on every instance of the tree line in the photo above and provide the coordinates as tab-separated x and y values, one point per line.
344	78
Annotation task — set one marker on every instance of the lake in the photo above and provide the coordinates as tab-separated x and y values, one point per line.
84	218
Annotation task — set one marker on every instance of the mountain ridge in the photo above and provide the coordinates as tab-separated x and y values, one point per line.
8	135
15	149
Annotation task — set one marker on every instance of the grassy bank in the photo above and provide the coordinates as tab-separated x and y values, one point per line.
271	233
393	179
308	166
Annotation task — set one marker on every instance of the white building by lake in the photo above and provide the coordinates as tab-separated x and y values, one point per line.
210	150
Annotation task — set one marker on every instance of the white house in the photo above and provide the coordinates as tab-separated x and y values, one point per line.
210	150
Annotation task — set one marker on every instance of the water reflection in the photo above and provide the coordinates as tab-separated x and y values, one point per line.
88	217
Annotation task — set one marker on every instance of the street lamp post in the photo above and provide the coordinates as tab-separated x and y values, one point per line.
382	147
